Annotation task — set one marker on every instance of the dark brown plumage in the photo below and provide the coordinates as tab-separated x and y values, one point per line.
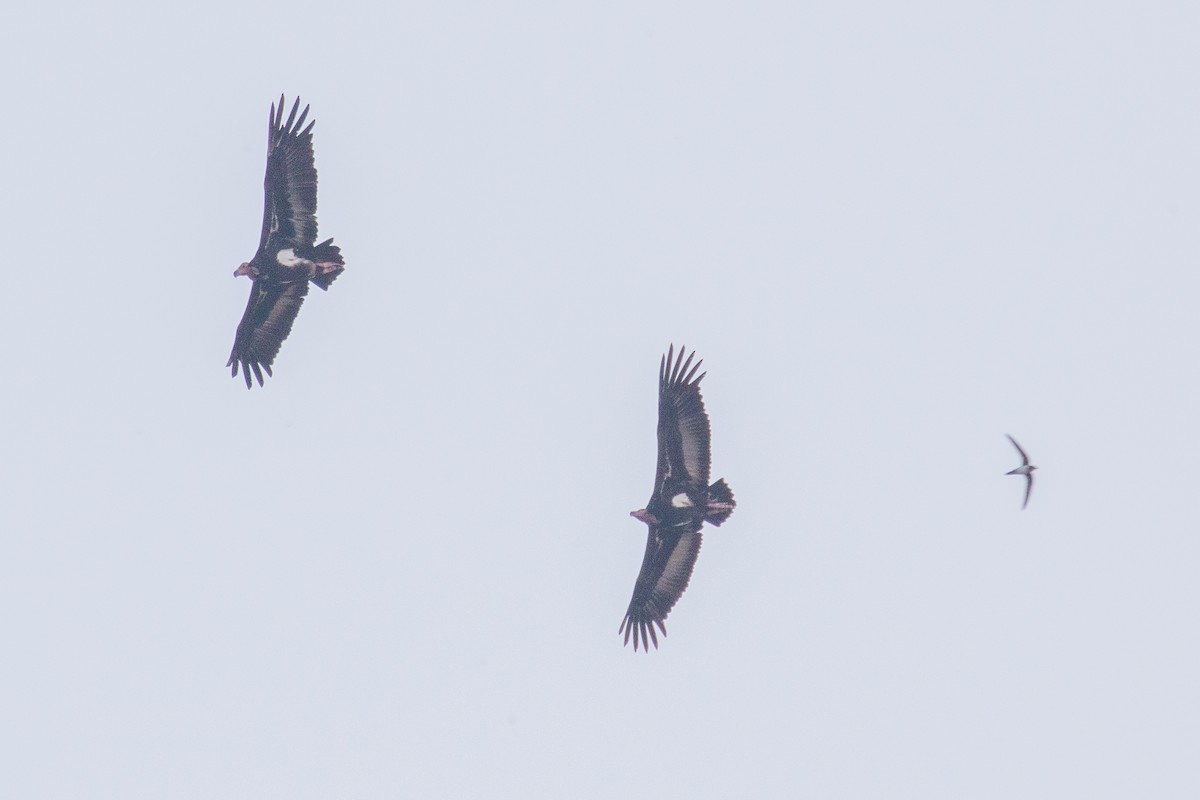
681	503
286	259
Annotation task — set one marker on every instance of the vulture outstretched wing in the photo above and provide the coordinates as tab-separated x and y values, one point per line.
671	554
290	210
683	434
267	322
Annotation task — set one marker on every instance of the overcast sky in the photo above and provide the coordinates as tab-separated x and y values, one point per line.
893	232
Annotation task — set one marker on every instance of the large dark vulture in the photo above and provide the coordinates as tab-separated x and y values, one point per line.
682	501
286	259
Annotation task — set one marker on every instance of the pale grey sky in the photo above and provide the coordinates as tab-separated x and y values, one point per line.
893	233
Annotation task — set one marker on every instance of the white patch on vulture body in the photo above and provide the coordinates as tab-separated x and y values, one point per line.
681	500
287	258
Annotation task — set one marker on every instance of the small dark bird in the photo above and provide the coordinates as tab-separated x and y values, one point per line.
1025	469
286	259
681	503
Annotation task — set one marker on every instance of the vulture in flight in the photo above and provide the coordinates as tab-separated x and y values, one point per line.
287	258
681	503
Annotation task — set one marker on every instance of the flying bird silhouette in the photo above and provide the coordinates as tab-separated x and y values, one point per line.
681	503
1025	469
286	259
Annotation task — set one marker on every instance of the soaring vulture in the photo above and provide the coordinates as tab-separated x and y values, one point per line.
681	503
286	259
